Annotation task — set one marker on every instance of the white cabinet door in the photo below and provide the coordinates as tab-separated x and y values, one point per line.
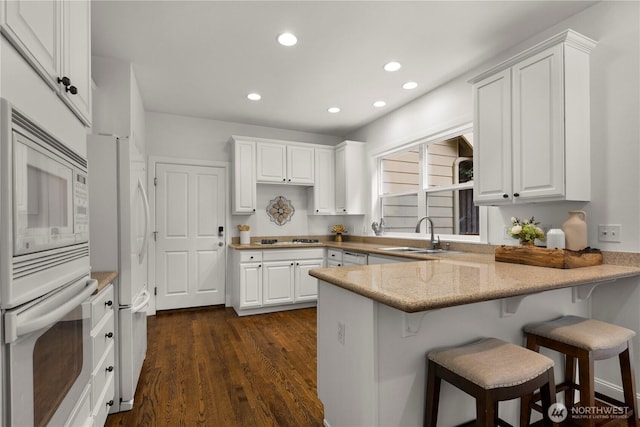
271	162
323	199
278	280
244	172
77	57
300	165
306	286
341	184
538	126
250	285
351	169
492	139
36	28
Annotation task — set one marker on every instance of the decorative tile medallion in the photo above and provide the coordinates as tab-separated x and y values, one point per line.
280	210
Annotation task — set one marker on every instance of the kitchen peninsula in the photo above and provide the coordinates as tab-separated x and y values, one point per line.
376	323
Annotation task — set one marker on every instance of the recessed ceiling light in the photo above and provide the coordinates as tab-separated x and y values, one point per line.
254	96
379	104
287	39
333	109
392	66
410	85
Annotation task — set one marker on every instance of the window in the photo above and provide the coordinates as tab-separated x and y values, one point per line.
432	178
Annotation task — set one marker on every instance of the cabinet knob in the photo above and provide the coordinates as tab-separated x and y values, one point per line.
284	179
72	89
289	179
109	369
251	257
259	265
291	263
516	194
110	403
66	81
297	263
505	196
317	210
254	210
109	335
108	303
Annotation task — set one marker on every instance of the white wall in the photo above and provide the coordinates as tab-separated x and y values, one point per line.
183	137
615	131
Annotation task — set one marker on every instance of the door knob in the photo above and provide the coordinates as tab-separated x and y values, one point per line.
220	244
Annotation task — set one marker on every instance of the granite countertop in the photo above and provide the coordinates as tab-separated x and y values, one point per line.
103	278
458	279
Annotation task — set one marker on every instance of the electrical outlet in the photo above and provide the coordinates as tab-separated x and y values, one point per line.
609	233
341	332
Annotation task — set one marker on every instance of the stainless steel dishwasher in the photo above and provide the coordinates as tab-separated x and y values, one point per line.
354	258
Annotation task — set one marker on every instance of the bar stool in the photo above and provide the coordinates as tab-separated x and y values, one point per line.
587	340
491	371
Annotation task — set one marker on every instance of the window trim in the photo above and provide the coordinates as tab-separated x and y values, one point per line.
424	141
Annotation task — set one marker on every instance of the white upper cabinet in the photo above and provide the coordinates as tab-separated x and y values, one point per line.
272	162
289	164
244	174
531	125
55	38
351	167
321	197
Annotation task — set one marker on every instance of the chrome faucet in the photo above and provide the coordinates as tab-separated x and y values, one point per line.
434	244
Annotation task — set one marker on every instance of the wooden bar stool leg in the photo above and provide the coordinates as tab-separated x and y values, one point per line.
433	396
525	410
548	394
485	410
629	384
587	392
569	378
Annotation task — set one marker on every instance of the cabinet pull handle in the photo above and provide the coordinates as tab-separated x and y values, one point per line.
109	369
505	196
516	194
72	89
109	335
108	303
66	81
110	403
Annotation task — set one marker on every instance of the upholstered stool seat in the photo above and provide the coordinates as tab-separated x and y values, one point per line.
491	370
585	341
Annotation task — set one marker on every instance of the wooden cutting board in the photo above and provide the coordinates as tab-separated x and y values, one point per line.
543	257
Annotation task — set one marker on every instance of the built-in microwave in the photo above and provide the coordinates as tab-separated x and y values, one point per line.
50	207
44	212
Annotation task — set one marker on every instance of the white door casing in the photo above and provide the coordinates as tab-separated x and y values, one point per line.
190	253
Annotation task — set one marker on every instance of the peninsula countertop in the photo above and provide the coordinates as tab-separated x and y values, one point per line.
458	279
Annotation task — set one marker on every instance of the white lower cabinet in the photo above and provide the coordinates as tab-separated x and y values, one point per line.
273	280
103	362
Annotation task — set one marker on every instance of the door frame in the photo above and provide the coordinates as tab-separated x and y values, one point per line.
151	173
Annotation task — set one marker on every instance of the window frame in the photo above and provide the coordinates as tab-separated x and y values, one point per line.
423	142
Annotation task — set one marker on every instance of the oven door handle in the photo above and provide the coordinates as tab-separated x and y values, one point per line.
49	311
146	297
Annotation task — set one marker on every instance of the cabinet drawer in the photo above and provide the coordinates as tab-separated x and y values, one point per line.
104	404
102	335
334	255
101	374
293	254
250	256
101	305
332	264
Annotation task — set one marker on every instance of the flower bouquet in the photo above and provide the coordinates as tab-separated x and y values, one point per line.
338	229
527	231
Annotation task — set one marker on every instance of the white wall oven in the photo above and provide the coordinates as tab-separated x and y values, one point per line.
47	356
44	275
44	210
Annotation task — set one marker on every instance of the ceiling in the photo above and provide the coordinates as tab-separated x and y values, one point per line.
202	58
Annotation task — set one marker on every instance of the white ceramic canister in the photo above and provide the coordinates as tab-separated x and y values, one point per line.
245	237
555	239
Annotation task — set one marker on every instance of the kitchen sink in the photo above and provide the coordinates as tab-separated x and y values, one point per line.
410	250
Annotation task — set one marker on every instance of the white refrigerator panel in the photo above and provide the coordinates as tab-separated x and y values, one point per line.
117	180
133	348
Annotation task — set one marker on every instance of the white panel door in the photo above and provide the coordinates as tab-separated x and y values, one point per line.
190	254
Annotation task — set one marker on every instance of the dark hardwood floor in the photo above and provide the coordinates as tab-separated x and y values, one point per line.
209	367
